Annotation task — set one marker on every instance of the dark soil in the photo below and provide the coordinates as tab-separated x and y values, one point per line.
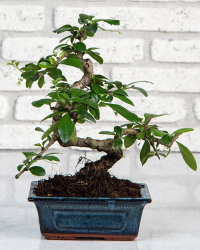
100	184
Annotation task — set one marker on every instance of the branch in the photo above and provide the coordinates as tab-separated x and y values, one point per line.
43	150
87	66
106	145
134	132
88	72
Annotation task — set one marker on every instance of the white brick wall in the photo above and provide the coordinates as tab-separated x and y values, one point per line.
3	106
175	79
21	18
24	110
159	43
187	51
138	18
32	49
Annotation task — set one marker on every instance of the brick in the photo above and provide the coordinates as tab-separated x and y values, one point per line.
119	50
176	50
28	49
163	79
196	193
86	130
24	110
21	18
169	19
196	108
14	136
165	196
32	49
3	106
174	107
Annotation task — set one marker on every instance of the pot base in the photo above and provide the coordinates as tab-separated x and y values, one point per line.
56	236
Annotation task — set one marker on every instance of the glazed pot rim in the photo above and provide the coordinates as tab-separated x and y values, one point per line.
146	198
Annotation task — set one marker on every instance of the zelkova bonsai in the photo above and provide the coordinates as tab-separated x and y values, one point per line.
81	101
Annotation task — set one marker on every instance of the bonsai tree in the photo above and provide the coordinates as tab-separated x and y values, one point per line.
81	102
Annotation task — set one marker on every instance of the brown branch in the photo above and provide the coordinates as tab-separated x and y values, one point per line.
88	73
154	148
43	150
134	132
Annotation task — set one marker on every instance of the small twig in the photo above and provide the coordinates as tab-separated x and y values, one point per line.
152	144
149	128
43	150
145	125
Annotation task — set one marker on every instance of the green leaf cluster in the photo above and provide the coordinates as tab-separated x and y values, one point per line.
70	106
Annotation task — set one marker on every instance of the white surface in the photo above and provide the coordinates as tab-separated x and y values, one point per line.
159	229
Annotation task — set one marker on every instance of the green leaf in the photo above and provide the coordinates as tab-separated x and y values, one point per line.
83	18
29	83
124	112
182	130
57	73
45	65
158	132
128	141
149	155
52	61
118	84
124	99
95	56
38	171
42	102
34	77
65	128
140	135
50	158
63	28
166	139
29	154
144	152
106	133
32	66
118	143
109	21
90	103
52	115
141	90
120	92
78	92
41	82
72	62
72	56
187	156
39	129
51	129
65	38
118	131
80	46
86	115
97	89
95	113
28	74
148	115
92	28
19	167
73	136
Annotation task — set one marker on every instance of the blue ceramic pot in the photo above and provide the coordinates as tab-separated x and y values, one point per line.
107	218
